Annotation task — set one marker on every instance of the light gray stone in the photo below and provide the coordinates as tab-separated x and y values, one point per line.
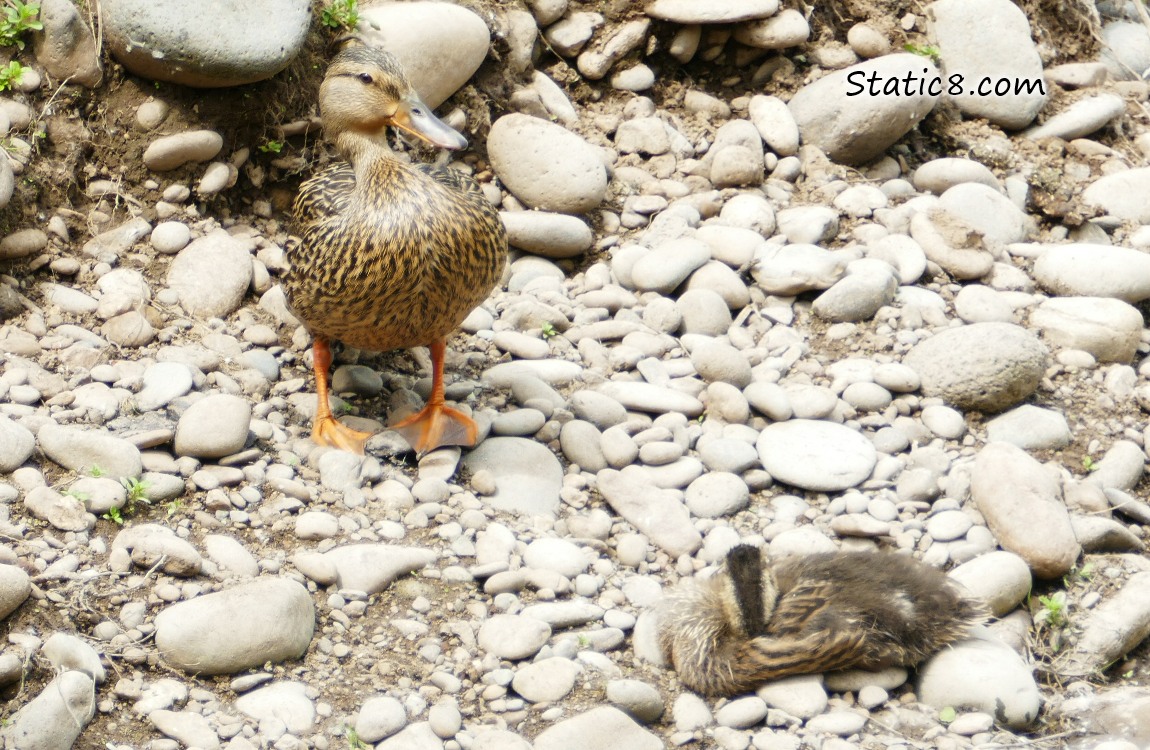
1109	329
1081	118
204	636
1084	270
213	427
600	728
857	129
211	275
982	366
545	165
527	475
816	455
83	450
1118	194
244	43
1001	579
1030	428
1022	504
989	39
54	719
658	513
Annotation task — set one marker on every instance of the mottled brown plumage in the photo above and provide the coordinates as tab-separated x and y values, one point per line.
392	255
751	623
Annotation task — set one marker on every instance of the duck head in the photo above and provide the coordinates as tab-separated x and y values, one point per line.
365	91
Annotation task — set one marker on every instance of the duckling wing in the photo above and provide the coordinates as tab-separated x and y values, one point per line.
452	178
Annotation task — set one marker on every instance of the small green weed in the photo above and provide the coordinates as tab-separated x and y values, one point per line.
272	147
1053	611
115	516
924	50
10	74
341	14
81	496
947	715
18	17
353	740
96	471
548	331
137	490
1089	464
174	506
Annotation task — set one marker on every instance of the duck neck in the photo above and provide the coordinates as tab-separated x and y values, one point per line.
364	151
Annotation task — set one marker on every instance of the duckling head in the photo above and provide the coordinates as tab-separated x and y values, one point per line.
365	91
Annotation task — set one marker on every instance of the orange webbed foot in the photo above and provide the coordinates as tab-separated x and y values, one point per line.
327	431
437	425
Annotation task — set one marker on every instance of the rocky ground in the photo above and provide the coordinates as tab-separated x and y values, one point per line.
747	306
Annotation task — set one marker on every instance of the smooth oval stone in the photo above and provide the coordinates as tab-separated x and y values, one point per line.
938	175
715	11
856	129
83	450
981	673
1081	118
439	45
999	578
527	475
1084	270
513	636
238	43
983	366
548	234
545	165
597	729
206	635
1109	329
1121	194
815	455
989	39
172	151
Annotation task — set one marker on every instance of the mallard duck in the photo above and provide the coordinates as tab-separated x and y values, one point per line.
392	254
751	623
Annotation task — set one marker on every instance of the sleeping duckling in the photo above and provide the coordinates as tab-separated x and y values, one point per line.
751	623
392	255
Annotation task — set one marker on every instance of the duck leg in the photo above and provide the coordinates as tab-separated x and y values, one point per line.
325	429
437	424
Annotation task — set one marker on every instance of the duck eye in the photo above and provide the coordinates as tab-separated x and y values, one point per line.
366	77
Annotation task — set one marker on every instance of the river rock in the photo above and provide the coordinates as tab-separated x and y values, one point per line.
545	165
211	275
983	366
989	39
205	635
1022	504
853	127
1119	194
816	455
242	43
1084	270
1109	329
984	674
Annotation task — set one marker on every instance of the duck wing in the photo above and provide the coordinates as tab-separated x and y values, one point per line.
325	194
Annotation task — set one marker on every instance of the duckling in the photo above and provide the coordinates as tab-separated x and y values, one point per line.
392	255
751	622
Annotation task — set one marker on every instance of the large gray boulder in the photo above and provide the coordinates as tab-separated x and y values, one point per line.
205	45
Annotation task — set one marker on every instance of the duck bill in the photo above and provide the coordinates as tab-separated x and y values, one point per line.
415	117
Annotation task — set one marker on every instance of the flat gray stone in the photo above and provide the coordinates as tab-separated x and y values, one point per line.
816	455
1119	194
1109	329
1030	428
54	719
1113	629
651	398
214	426
83	449
1081	118
285	701
373	567
527	475
1022	504
1001	579
211	275
602	728
546	680
513	637
717	11
205	635
16	445
15	587
856	129
243	43
984	674
658	513
1084	270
